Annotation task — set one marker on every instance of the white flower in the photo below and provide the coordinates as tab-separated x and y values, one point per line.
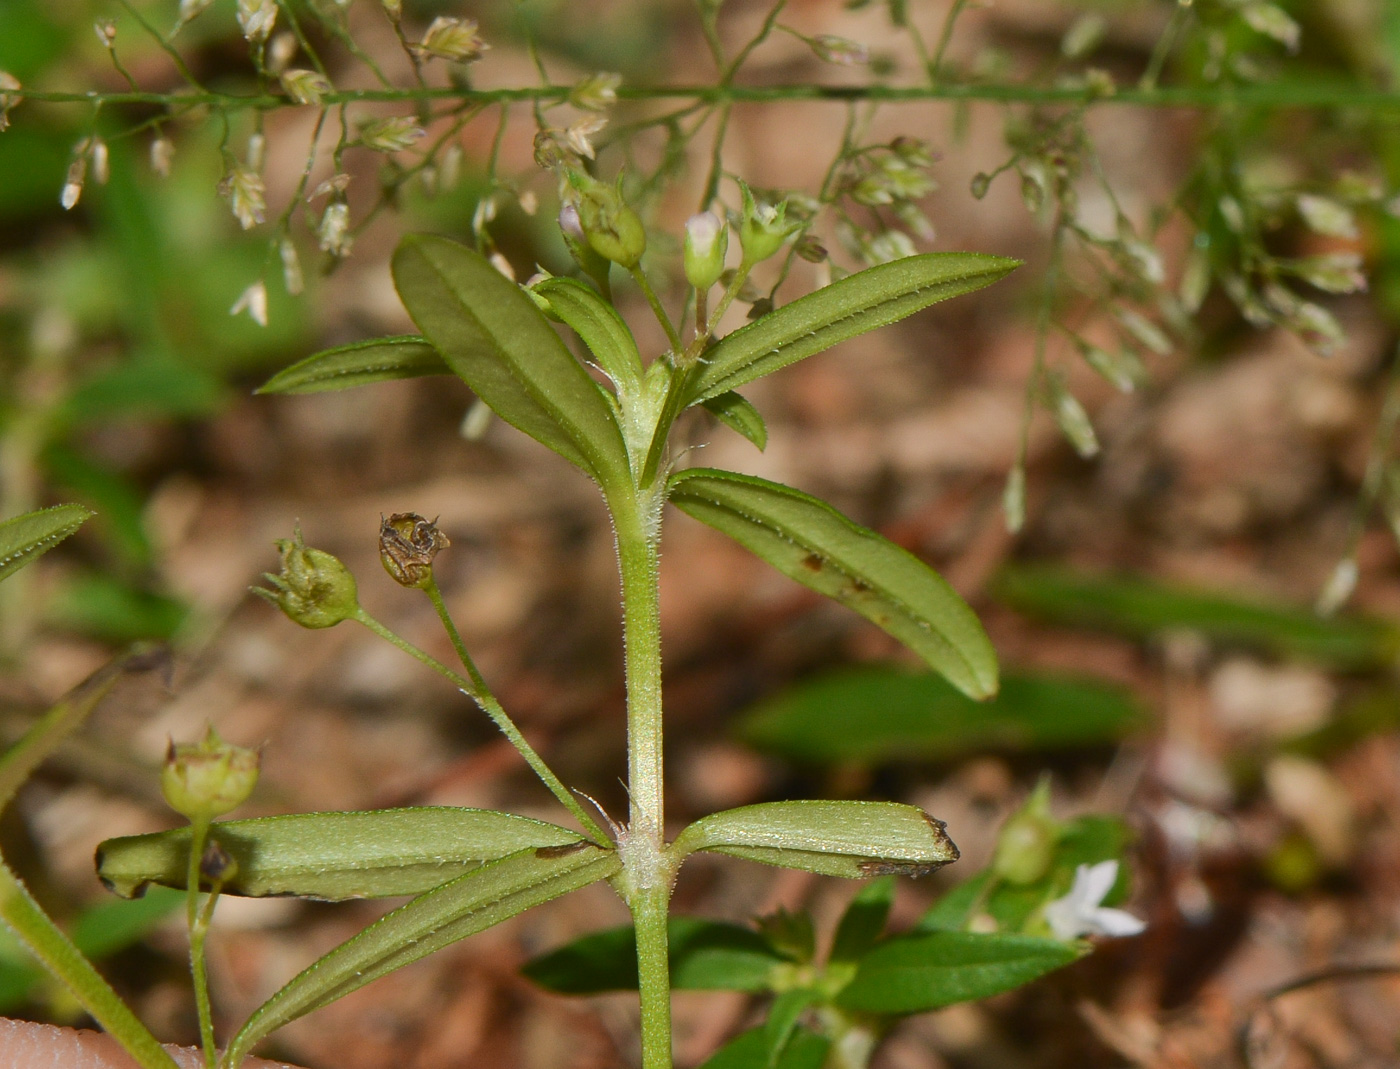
256	18
391	135
334	231
291	266
596	93
162	149
9	96
454	39
253	300
244	189
1080	913
304	86
578	135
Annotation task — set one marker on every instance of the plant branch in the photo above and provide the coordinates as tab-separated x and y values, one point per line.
1273	95
477	690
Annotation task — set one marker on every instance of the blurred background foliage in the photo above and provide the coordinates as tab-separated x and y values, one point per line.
1185	478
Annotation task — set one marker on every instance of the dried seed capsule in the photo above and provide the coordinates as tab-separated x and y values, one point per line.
407	545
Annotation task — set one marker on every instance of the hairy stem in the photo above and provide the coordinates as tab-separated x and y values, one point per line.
197	922
646	879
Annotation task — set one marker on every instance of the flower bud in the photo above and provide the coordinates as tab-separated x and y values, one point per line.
209	778
314	589
598	92
407	545
762	228
253	300
1026	846
706	241
9	97
614	231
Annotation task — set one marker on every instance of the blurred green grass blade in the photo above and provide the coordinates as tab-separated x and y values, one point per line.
467	905
109	927
145	387
705	956
29	536
864	301
852	839
736	413
864	920
884	713
335	856
379	360
809	541
1144	608
914	973
783	1015
120	504
103	607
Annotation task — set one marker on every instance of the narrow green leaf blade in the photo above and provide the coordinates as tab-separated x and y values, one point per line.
1143	608
335	856
467	905
495	338
836	838
858	303
595	321
104	929
738	414
705	956
29	536
750	1050
406	356
878	713
864	920
811	542
914	973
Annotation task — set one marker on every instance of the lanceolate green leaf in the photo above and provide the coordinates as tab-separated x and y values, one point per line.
750	1050
861	302
705	956
877	713
598	324
495	338
835	838
33	534
914	973
735	412
863	921
811	542
334	856
379	360
467	905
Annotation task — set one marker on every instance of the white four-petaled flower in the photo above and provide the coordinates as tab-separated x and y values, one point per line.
1081	913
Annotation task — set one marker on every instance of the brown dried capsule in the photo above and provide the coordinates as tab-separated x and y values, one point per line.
407	545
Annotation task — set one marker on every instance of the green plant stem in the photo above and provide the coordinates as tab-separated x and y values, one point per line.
196	921
656	308
64	961
647	876
30	924
476	689
649	913
1282	94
